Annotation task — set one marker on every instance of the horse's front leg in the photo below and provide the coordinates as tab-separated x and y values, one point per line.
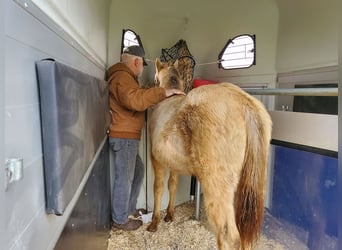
158	188
172	186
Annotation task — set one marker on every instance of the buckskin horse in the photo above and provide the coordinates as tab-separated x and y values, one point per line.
221	135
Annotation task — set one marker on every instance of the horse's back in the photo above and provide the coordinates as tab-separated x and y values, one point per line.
226	93
227	99
198	129
187	130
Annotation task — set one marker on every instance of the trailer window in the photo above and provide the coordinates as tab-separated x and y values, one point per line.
129	38
238	53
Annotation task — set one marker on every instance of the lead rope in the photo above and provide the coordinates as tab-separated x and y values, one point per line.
110	112
218	61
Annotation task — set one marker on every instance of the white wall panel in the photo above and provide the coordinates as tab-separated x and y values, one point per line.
19	57
23	201
2	122
86	21
308	34
23	133
27	40
315	130
29	31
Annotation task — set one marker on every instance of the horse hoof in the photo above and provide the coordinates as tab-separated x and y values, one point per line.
152	228
168	218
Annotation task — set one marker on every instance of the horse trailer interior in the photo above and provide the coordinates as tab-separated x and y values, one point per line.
55	173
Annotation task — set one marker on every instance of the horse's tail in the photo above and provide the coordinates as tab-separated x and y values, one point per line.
249	198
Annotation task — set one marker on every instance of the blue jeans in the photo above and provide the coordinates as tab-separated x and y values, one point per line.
128	176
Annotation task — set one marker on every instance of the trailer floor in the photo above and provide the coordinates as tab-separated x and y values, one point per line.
187	233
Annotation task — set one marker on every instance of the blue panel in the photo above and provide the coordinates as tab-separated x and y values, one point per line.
74	117
305	193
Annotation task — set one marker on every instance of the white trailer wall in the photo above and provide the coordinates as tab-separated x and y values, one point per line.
308	34
2	123
206	27
84	20
27	36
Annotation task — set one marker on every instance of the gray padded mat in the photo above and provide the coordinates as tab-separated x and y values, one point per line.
74	119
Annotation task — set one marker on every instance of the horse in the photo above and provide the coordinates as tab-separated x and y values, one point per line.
220	134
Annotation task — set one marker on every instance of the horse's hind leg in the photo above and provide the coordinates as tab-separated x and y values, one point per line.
172	186
158	188
219	203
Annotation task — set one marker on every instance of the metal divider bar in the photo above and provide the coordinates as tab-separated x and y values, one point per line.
294	91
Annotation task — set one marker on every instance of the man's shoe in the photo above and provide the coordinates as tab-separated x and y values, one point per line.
138	212
129	226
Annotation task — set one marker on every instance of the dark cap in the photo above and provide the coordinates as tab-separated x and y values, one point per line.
136	51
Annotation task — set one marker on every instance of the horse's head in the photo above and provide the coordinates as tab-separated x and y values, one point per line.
167	75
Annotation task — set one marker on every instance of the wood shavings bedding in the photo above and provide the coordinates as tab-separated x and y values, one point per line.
187	233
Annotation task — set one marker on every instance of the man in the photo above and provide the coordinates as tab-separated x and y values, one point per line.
128	102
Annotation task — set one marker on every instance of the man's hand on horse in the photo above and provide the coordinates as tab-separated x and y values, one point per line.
171	92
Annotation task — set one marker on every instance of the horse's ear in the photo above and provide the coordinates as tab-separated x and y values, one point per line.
176	64
158	64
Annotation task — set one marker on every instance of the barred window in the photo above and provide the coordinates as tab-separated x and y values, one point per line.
129	38
238	53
